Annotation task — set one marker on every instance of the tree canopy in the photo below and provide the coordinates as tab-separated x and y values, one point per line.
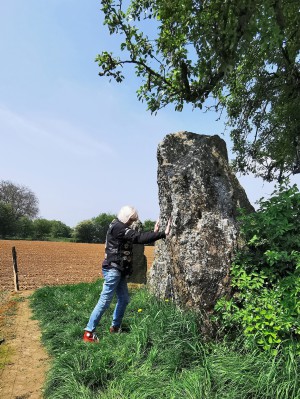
148	225
7	220
101	224
21	199
243	54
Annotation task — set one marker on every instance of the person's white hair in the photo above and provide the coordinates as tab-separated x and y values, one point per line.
127	212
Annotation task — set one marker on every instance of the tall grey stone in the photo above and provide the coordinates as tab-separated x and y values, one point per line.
139	260
139	265
198	190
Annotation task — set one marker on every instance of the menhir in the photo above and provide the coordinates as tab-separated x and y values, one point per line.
198	190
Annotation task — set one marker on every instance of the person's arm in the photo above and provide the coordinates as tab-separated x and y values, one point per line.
149	236
122	232
146	237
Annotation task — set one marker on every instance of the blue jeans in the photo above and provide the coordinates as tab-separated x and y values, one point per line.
114	283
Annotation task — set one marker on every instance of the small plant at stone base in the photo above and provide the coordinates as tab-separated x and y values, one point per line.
266	274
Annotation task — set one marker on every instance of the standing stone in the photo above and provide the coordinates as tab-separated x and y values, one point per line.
139	265
200	193
139	260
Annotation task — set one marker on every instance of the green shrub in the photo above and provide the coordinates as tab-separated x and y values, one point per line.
266	274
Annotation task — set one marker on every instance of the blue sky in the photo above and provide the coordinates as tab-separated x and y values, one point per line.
83	145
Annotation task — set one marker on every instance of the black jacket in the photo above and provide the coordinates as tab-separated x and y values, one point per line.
119	242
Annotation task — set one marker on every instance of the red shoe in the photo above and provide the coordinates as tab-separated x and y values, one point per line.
90	337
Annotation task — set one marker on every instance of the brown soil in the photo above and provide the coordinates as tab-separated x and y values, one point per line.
42	263
24	360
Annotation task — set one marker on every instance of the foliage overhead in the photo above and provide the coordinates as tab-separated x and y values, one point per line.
266	274
245	54
22	200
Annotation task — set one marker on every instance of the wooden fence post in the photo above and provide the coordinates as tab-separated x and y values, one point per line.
15	268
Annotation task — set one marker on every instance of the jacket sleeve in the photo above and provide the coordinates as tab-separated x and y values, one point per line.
125	233
143	238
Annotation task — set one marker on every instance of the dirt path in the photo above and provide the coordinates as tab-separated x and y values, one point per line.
23	376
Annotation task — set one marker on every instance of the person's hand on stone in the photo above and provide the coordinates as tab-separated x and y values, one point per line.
168	228
156	227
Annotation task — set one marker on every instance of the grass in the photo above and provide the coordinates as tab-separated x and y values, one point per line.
162	356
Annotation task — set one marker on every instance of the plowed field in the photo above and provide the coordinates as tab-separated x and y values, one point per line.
43	263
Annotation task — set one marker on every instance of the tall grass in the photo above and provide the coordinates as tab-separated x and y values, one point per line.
162	356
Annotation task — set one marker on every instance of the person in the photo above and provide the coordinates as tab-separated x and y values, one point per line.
117	266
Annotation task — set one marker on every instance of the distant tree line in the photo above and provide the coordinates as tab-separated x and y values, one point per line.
18	220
